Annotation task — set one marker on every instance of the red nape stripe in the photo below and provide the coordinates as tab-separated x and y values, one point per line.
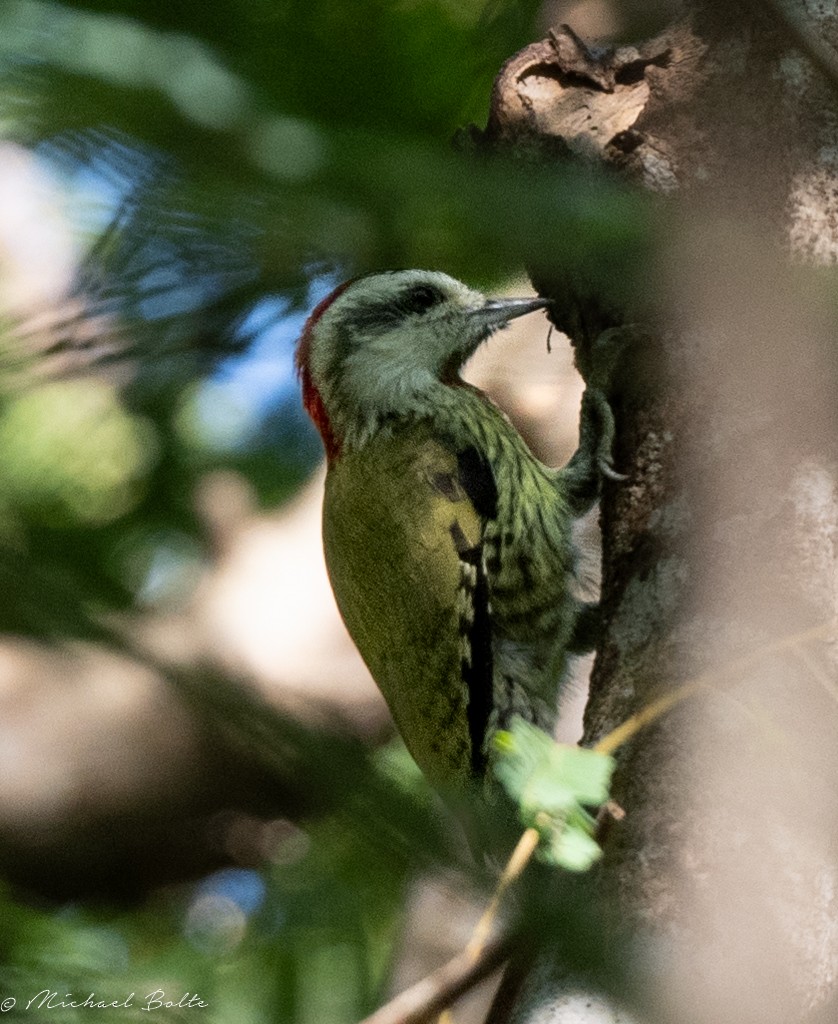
312	400
314	407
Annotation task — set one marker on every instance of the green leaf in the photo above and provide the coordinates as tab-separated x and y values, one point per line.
552	784
574	849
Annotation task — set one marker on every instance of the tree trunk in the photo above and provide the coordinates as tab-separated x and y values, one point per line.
720	551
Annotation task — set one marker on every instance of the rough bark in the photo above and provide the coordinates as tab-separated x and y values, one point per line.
720	558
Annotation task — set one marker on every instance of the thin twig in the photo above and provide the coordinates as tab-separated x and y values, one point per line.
518	860
424	1000
632	725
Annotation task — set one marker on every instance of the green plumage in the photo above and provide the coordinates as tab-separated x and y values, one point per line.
448	543
398	518
395	573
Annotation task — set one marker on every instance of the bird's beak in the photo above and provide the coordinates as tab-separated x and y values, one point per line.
495	313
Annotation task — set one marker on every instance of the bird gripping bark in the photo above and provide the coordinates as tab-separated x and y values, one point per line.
448	543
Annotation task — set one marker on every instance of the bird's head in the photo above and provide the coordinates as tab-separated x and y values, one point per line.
383	345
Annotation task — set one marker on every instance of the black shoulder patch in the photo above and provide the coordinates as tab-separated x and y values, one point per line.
475	629
478	481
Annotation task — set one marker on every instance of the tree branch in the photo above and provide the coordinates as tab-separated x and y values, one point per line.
805	38
423	1001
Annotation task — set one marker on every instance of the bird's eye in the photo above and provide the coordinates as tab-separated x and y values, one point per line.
421	297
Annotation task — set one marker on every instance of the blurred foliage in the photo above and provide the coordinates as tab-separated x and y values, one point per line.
241	153
306	941
72	454
217	161
553	786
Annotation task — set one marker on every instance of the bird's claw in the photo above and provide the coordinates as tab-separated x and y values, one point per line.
591	462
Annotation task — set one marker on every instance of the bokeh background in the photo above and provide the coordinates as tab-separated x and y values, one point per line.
200	789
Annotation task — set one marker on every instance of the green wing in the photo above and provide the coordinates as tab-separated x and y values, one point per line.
403	526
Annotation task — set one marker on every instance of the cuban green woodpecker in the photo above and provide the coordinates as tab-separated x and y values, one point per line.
448	544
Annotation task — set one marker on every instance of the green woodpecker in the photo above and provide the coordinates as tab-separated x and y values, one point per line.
448	543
